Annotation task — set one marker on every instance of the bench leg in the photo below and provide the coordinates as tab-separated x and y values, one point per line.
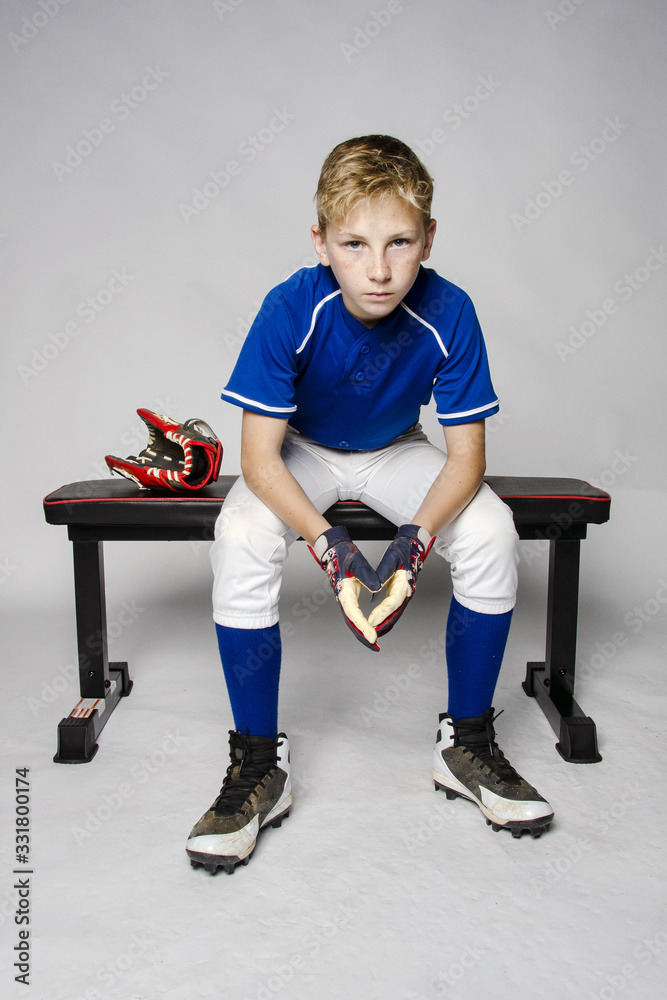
102	684
552	682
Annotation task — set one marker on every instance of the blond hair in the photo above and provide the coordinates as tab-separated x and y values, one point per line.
371	167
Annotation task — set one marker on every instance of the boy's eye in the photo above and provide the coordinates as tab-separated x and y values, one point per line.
401	241
353	244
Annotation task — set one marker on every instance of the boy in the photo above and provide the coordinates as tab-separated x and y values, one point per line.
331	379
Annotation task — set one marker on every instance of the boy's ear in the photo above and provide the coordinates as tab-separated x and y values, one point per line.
320	245
428	243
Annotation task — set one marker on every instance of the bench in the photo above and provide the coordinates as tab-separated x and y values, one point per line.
98	511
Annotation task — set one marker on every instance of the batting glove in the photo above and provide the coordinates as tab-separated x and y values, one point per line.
348	570
398	571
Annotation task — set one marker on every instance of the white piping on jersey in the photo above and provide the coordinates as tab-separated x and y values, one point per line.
313	319
304	267
262	406
428	327
466	413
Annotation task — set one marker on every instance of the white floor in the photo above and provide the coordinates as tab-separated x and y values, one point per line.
375	886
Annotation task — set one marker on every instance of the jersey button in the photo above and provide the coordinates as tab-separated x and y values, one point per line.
360	376
343	444
365	349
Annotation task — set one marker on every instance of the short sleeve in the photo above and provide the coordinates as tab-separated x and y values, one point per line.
463	391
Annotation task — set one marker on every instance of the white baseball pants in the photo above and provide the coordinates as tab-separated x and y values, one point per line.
251	542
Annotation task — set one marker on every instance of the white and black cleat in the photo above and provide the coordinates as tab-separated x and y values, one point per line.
255	794
474	767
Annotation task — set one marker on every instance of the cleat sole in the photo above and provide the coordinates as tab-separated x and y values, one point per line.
516	827
279	820
212	863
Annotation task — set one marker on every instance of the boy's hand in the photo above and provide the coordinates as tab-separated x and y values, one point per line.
398	570
348	570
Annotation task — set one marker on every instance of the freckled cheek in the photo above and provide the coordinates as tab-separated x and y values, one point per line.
351	274
406	272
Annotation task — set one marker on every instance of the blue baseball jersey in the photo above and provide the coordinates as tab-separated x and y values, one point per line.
345	385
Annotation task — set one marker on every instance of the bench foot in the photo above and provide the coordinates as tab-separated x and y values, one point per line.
77	734
576	731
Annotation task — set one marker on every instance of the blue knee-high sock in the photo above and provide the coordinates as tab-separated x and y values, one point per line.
251	664
475	646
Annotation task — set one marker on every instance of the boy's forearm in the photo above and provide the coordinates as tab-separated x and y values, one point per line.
268	477
275	486
449	494
458	480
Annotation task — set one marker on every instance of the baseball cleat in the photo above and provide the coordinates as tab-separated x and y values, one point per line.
475	768
256	793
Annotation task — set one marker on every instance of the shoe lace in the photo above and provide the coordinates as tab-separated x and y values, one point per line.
480	744
244	772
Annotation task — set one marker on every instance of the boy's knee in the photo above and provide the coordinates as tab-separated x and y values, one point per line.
247	519
490	527
233	522
484	558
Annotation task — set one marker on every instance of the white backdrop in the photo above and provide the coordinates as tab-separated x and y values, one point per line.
160	160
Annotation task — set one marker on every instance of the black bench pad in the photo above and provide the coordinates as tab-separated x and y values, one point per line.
119	502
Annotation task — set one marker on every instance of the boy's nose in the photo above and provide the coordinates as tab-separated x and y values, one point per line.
379	269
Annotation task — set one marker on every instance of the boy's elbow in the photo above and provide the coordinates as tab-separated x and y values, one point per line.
259	469
247	465
251	470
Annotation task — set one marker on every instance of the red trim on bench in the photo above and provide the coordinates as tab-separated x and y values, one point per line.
199	499
167	499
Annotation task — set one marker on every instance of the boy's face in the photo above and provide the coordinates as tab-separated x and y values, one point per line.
375	255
